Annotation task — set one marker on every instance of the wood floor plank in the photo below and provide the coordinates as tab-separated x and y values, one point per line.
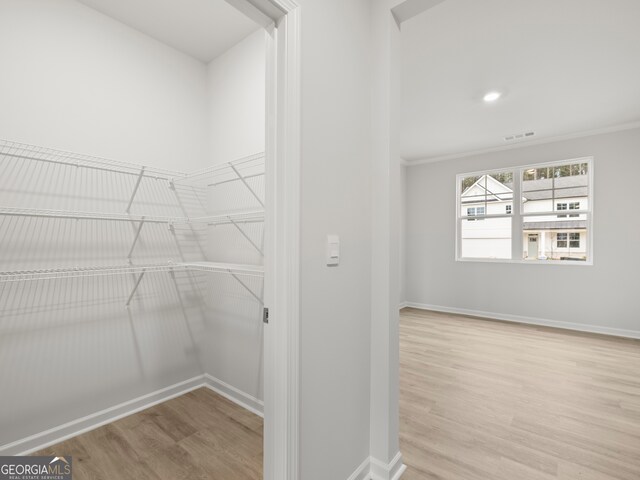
199	435
491	400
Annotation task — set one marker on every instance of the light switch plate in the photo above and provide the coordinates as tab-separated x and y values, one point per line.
333	250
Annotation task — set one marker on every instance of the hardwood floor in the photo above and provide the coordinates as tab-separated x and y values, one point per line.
199	435
489	400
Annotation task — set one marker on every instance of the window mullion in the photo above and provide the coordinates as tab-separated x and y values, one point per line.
516	220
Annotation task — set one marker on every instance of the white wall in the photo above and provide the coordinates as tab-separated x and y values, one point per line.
602	295
74	79
336	199
77	80
231	341
236	82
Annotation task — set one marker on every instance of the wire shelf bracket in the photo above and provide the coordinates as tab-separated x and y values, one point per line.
244	285
135	189
135	240
135	287
244	181
245	235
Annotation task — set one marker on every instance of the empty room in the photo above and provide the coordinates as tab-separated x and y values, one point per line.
319	240
519	350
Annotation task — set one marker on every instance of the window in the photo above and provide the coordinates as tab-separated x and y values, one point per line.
561	240
561	206
574	240
486	198
475	211
573	237
549	221
574	206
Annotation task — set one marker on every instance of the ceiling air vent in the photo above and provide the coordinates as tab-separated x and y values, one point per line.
519	136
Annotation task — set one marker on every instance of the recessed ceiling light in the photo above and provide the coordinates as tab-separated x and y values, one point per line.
492	96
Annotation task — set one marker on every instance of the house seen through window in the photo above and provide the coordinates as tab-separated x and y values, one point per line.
546	235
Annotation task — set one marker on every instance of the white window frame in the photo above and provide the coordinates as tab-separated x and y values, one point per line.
518	214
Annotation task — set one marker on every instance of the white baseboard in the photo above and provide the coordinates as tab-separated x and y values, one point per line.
363	472
580	327
402	305
390	471
85	424
236	396
373	469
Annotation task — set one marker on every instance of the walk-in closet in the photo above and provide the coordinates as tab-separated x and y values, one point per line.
133	215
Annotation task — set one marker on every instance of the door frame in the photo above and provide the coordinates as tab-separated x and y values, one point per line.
281	21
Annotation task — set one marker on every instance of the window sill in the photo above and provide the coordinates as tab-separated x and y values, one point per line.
571	263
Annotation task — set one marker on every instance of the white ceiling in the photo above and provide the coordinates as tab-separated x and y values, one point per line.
565	66
202	29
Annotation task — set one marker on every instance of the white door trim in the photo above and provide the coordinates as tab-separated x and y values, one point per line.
281	19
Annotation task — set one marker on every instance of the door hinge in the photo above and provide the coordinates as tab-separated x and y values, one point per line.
265	315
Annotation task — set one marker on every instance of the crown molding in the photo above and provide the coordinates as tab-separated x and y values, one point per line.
528	143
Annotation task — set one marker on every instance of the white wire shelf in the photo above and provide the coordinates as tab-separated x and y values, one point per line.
241	169
73	215
233	269
247	167
216	267
253	216
22	151
62	273
235	217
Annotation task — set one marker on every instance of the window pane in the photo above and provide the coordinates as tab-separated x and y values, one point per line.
472	191
541	188
505	178
486	194
490	238
546	238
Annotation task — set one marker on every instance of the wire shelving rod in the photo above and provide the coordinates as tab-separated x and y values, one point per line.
239	217
62	273
23	151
